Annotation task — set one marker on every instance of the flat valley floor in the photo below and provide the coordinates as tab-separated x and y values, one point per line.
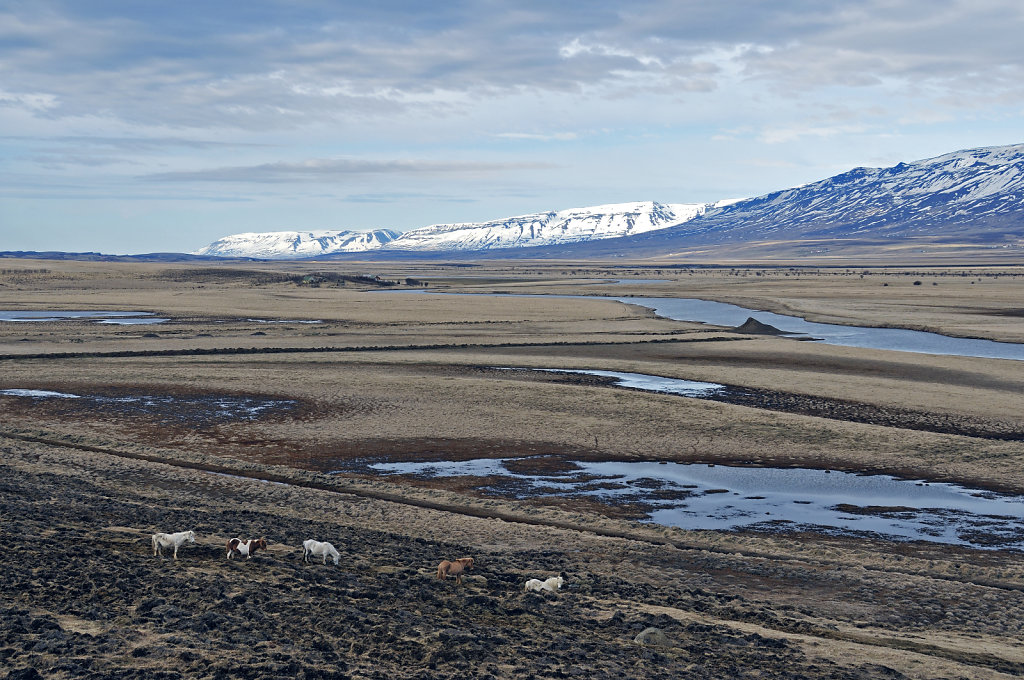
326	364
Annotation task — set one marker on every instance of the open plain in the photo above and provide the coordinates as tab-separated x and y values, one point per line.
342	362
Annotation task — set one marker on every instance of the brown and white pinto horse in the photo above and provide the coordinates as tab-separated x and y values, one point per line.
446	568
247	548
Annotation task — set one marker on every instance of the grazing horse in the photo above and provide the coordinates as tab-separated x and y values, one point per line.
247	548
446	568
318	549
552	584
161	541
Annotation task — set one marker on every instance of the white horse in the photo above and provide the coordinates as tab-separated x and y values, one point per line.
319	549
552	584
161	541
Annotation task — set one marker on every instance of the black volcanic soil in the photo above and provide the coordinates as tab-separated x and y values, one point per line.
82	596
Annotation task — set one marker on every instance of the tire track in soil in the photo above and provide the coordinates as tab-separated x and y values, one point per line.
471	511
764	634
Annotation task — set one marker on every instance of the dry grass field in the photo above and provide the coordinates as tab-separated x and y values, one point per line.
373	371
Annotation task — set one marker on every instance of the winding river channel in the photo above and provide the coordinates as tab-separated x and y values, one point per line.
723	314
896	339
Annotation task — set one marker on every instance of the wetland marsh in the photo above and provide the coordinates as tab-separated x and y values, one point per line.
148	446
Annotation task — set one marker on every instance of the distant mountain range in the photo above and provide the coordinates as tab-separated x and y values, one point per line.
525	231
975	195
949	195
293	245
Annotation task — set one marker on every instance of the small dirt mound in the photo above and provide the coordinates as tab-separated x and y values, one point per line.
754	327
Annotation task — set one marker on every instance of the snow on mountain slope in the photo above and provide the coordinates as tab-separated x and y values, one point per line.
296	244
549	228
974	193
946	194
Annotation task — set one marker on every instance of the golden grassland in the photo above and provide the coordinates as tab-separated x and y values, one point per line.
400	375
402	368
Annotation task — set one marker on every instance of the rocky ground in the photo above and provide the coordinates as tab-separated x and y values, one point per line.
83	596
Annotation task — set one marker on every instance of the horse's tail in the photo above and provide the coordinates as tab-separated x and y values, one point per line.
153	540
440	572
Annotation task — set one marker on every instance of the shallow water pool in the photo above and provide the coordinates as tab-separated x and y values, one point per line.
721	497
641	381
108	317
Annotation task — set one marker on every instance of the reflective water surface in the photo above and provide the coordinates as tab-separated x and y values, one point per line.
722	314
700	496
111	317
642	381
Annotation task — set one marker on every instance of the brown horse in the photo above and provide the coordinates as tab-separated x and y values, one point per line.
446	568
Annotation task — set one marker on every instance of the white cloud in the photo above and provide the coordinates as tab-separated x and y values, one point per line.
577	48
329	170
33	101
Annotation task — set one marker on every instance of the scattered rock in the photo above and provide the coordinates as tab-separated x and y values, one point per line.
652	637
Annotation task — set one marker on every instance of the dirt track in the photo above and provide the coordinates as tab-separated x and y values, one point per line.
84	597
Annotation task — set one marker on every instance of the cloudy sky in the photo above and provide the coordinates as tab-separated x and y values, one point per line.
132	127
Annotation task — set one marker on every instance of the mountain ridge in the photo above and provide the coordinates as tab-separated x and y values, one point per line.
973	194
522	231
296	244
969	201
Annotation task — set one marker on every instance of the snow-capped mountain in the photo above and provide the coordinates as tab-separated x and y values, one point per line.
944	196
550	228
975	195
972	196
538	229
297	244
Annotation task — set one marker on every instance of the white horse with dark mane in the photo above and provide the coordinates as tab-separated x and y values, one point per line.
161	541
319	549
